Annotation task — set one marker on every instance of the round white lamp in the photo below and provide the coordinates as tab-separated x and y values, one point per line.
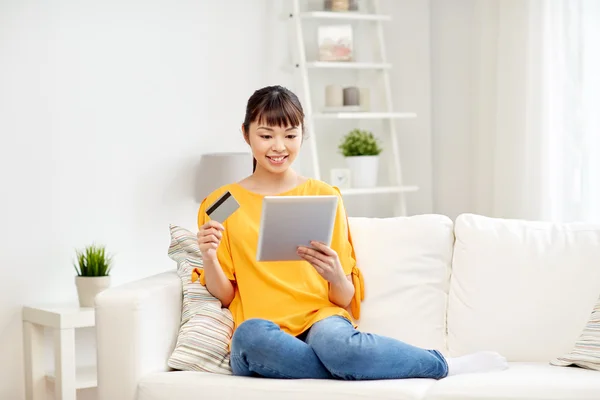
218	169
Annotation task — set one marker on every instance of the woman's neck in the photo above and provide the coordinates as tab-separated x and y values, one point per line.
269	183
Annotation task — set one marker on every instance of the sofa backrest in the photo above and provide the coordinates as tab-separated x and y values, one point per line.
406	265
524	289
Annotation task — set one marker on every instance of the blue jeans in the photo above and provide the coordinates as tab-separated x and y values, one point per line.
330	349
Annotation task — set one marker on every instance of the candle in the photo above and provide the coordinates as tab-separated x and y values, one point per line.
351	96
365	99
334	96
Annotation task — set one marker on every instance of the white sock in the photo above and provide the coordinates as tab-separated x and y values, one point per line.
483	361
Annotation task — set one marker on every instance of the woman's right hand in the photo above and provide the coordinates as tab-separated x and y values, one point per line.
209	237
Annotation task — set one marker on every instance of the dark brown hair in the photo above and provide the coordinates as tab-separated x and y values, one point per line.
273	106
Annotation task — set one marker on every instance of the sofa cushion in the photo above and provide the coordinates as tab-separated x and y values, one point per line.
201	385
521	381
586	351
405	262
524	289
206	328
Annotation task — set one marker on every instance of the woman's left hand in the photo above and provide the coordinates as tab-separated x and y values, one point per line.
325	260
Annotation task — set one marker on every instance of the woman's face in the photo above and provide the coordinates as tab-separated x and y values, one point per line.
274	147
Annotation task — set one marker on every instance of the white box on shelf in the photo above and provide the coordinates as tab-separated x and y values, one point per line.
335	43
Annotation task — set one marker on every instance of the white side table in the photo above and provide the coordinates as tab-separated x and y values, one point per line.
67	377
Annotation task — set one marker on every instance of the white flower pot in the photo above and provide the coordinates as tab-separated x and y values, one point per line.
363	170
88	287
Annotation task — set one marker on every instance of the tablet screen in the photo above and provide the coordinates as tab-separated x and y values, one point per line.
291	221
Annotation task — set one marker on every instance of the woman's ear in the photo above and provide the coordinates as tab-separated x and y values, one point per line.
246	135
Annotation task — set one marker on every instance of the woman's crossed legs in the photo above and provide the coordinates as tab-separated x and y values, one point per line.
331	349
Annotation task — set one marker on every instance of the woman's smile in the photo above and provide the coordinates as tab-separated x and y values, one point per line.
277	160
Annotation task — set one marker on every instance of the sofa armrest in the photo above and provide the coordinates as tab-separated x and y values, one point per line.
136	327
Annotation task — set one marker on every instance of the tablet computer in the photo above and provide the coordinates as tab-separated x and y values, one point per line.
290	221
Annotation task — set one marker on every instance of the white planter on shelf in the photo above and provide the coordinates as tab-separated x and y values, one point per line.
88	287
363	170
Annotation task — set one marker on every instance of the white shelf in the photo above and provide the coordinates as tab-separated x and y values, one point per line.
347	65
379	190
60	316
85	377
365	115
305	22
346	15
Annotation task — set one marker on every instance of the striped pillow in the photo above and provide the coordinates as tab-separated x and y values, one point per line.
586	352
206	328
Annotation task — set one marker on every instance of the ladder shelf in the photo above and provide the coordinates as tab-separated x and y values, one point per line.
347	65
386	114
364	115
346	15
379	190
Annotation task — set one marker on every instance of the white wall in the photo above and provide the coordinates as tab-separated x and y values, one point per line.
452	27
105	108
408	39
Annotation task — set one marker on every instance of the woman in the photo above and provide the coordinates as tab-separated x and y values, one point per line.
293	318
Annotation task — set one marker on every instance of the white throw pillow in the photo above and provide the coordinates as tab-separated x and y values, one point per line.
206	328
405	262
522	288
586	352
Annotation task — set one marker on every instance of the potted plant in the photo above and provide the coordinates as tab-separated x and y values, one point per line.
361	150
93	268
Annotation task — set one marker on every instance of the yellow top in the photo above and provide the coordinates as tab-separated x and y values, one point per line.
291	294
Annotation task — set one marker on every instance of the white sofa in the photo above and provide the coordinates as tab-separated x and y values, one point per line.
524	289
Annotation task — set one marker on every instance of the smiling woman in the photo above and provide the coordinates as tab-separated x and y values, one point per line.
303	309
273	126
278	144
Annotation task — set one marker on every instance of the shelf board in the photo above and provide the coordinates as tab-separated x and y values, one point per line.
347	65
379	190
345	15
365	115
60	316
85	377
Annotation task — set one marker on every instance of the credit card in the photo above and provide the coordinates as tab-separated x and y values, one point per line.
221	209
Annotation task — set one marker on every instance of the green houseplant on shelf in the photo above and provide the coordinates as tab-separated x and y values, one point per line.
361	150
93	267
